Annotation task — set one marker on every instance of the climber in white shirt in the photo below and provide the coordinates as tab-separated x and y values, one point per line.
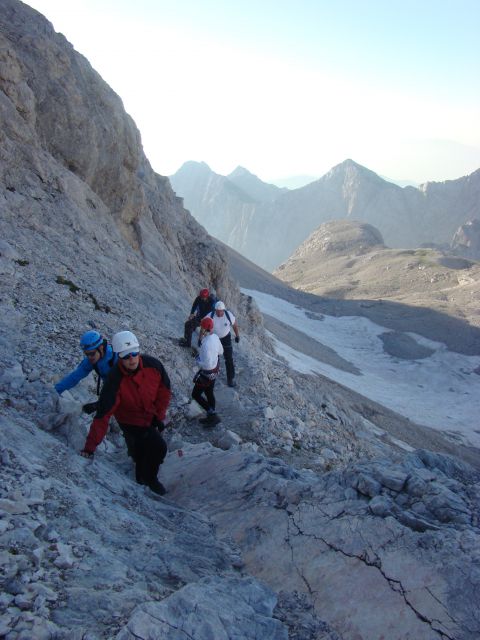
223	322
208	361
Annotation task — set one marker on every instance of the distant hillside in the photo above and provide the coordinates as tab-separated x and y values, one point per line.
346	260
268	232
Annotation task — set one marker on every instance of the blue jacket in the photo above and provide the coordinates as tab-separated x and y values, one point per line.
102	367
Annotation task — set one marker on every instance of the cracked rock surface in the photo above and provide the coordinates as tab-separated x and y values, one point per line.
408	570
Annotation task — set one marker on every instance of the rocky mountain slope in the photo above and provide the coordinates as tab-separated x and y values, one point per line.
269	232
90	237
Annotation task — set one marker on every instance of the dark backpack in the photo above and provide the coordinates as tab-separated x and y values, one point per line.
111	362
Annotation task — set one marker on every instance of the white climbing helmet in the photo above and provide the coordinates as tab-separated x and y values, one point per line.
125	342
220	306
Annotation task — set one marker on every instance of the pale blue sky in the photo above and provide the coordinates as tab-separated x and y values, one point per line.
291	87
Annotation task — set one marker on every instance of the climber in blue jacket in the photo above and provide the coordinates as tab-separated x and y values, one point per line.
99	357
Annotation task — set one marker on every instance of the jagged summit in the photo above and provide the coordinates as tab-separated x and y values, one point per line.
348	169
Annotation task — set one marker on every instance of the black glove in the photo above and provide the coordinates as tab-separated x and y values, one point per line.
158	424
86	454
90	407
237	339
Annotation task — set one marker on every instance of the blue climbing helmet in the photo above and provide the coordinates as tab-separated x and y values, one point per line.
90	340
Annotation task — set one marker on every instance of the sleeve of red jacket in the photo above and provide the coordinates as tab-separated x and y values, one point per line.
164	393
107	403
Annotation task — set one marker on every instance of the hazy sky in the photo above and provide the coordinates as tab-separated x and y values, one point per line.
289	87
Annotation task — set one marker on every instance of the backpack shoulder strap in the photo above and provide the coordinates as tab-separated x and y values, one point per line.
228	317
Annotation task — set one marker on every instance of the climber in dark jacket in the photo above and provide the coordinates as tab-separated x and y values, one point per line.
137	393
203	304
99	357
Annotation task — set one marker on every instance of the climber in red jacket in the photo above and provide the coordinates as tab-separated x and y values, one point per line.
137	392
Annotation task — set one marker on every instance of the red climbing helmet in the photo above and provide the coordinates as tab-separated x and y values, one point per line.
204	293
207	324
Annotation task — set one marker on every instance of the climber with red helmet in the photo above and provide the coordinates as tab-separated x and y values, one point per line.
137	393
204	303
223	322
208	360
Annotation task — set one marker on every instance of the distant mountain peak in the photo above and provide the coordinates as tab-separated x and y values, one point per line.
253	185
349	164
191	166
239	172
348	168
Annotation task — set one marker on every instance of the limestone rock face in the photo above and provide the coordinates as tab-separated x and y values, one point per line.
370	546
66	142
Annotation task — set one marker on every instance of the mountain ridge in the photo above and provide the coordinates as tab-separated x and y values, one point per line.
406	216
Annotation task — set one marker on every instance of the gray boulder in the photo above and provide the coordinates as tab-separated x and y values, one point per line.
466	240
220	608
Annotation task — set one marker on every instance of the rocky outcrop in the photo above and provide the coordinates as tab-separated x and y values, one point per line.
466	241
269	232
339	237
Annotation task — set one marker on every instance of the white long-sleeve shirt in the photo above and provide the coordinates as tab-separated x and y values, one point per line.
210	350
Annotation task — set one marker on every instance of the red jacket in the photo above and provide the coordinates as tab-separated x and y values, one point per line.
133	398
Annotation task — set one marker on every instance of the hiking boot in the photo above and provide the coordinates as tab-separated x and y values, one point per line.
184	343
157	487
231	383
210	420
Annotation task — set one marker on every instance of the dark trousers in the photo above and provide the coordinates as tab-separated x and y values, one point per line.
228	356
190	326
201	389
148	450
